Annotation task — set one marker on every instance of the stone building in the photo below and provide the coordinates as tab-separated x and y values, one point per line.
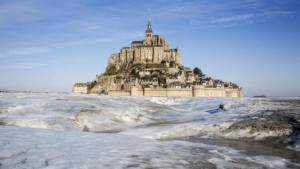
153	49
80	88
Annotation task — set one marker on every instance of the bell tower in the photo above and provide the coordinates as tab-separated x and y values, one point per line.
148	32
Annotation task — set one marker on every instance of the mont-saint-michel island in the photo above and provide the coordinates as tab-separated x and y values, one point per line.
150	67
203	85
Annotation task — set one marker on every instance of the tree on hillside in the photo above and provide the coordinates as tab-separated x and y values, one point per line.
198	71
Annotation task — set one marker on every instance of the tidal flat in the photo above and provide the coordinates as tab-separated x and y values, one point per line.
61	130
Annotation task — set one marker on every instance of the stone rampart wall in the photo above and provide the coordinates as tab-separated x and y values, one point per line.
118	93
183	92
80	89
155	92
209	92
137	91
179	92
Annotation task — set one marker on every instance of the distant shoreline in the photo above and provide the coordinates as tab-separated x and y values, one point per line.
26	91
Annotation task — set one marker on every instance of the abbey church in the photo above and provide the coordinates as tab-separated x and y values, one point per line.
151	68
153	49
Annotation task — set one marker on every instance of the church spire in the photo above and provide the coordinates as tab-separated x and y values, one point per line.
149	27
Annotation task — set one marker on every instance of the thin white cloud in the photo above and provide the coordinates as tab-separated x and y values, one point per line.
236	18
23	65
23	51
47	48
12	12
249	17
276	13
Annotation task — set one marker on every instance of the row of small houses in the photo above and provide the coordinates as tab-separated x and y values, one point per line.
175	83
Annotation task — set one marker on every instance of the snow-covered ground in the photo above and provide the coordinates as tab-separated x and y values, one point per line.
55	130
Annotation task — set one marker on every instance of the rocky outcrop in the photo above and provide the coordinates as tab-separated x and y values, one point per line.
280	127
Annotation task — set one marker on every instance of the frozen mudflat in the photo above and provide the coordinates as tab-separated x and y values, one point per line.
54	130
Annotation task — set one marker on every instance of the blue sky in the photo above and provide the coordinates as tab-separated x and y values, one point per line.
47	45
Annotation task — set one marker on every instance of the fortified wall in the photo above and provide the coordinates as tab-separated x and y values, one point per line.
182	92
